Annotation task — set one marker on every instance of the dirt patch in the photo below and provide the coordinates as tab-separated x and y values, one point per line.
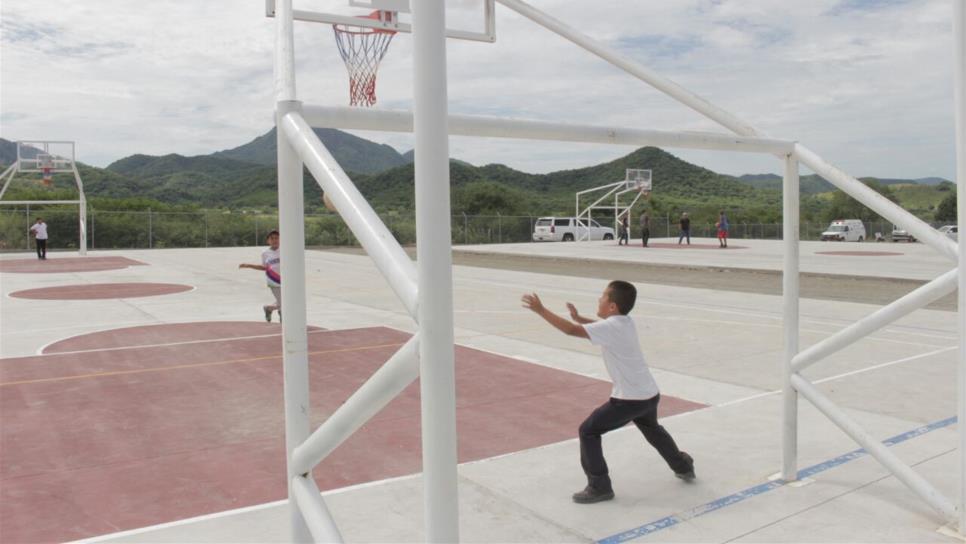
867	290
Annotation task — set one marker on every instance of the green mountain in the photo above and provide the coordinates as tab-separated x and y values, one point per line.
355	154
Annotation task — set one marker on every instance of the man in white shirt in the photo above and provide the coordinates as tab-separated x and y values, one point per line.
634	397
39	232
273	278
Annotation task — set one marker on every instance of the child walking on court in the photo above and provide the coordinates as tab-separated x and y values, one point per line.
270	265
634	397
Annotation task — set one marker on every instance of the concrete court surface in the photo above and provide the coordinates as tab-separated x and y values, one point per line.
717	347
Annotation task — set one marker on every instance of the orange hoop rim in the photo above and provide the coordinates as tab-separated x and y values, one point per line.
363	30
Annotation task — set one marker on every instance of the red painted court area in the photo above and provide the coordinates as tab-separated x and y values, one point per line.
66	264
97	291
139	426
672	245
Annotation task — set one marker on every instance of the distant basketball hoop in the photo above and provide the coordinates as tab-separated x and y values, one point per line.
362	48
46	164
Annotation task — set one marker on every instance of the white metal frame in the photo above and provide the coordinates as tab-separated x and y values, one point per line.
425	289
59	164
616	189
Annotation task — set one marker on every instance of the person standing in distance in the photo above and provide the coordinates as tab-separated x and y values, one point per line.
39	231
685	228
645	228
270	265
634	397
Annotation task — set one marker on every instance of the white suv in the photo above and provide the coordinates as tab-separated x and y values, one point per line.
568	229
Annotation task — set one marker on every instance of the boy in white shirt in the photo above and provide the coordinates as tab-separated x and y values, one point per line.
634	397
270	265
39	231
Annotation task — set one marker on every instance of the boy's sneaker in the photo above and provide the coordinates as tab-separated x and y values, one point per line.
590	495
268	313
689	475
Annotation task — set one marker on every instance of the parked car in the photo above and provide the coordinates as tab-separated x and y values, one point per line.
568	229
845	230
900	234
950	230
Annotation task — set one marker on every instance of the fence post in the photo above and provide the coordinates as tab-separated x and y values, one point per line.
27	217
499	228
93	226
150	230
466	229
206	227
667	224
256	230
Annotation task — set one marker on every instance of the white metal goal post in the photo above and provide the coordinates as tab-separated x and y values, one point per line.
425	289
48	157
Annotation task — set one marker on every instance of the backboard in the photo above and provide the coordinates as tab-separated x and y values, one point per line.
45	156
466	20
635	178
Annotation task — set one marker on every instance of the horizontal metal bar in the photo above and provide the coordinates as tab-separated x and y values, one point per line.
383	386
496	127
314	511
906	475
334	19
923	295
22	202
375	238
880	204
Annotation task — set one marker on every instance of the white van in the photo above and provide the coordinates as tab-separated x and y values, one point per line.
845	230
568	229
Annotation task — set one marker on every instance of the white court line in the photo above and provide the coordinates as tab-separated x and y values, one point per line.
843	375
185	343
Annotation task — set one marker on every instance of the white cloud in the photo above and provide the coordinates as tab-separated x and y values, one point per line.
868	85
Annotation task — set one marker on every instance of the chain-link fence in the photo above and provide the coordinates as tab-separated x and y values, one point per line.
214	228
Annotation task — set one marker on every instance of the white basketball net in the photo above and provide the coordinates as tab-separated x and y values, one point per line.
362	48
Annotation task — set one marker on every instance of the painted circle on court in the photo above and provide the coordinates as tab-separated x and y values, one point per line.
100	291
54	265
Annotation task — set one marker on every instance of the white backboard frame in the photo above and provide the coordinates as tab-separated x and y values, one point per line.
488	34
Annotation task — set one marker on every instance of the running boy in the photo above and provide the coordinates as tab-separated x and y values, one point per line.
270	265
634	397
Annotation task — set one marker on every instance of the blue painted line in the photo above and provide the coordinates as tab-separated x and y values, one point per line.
734	498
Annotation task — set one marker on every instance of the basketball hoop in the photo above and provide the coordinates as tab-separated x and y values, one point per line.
362	48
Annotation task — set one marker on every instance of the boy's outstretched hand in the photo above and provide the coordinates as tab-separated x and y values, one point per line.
532	302
573	312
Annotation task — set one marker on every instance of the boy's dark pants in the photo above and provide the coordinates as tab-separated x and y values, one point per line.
614	414
41	248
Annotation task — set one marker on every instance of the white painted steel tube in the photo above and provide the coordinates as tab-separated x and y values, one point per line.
22	202
11	171
930	292
636	69
906	475
295	358
497	127
435	264
959	65
378	242
82	210
284	52
790	308
378	391
314	511
880	204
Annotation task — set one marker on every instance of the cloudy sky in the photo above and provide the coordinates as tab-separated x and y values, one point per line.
865	83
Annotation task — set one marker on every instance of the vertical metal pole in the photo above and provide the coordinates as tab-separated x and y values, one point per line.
959	60
93	228
256	227
150	230
434	265
466	229
82	220
292	228
27	217
206	228
790	211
